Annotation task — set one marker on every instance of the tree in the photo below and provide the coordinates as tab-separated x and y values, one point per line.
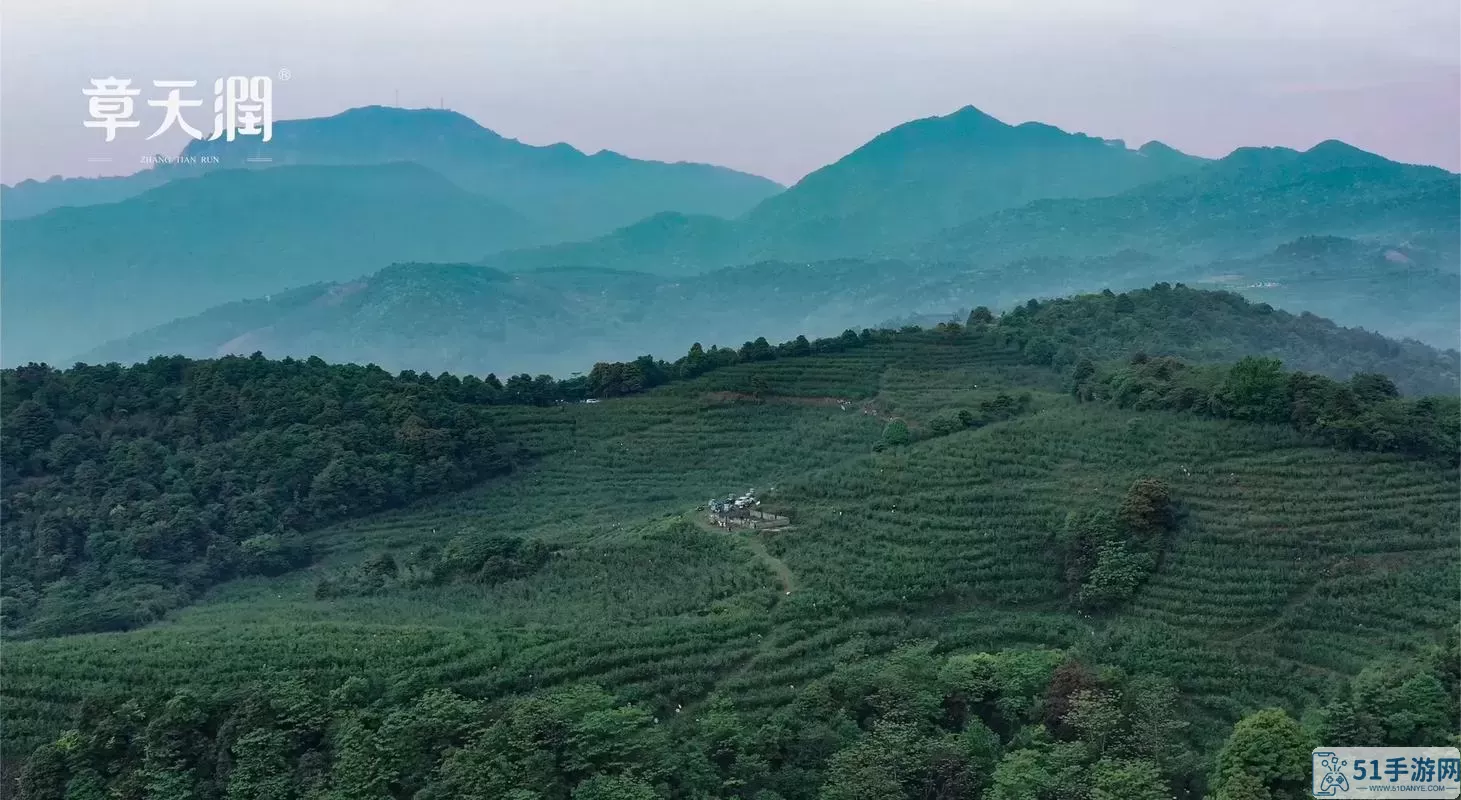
981	315
45	774
896	433
1146	510
1372	387
1117	574
1266	750
614	787
878	766
1254	389
1044	771
1406	704
695	362
1137	779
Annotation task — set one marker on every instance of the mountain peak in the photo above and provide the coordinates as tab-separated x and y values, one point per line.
365	127
1336	153
1156	148
970	115
436	117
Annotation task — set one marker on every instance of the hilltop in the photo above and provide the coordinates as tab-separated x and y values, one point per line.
893	193
969	189
906	185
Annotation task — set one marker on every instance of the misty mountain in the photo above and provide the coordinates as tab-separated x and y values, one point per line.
474	319
77	277
909	183
1240	206
970	189
975	211
570	193
900	189
470	318
31	197
1404	291
669	243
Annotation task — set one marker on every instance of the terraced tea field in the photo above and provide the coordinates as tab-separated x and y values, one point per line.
1292	566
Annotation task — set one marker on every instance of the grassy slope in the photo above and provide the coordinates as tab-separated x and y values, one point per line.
1292	566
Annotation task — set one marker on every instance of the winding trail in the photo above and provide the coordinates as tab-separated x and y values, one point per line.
758	547
783	572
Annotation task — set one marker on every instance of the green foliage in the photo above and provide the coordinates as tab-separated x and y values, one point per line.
896	433
764	657
1206	327
1128	780
1107	558
132	489
877	729
1255	389
475	558
1267	755
1394	704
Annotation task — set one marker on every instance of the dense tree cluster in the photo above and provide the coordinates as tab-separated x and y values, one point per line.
619	378
916	724
129	489
1401	703
1394	703
1109	556
1002	406
469	558
1206	327
1363	413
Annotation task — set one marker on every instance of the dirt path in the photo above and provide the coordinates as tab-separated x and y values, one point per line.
758	547
867	406
783	572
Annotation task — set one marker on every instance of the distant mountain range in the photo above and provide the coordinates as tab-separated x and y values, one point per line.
569	193
1242	205
918	179
465	318
77	276
1239	206
930	216
886	198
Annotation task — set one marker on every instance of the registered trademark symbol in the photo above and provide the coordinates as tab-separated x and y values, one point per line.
285	74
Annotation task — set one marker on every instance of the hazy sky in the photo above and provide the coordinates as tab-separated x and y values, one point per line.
777	87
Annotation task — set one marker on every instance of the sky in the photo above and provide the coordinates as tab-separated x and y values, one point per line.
774	87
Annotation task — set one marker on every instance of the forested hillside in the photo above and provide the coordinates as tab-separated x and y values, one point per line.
130	491
1049	554
1218	327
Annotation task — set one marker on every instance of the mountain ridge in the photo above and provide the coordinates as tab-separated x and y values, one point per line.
187	245
481	159
475	319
